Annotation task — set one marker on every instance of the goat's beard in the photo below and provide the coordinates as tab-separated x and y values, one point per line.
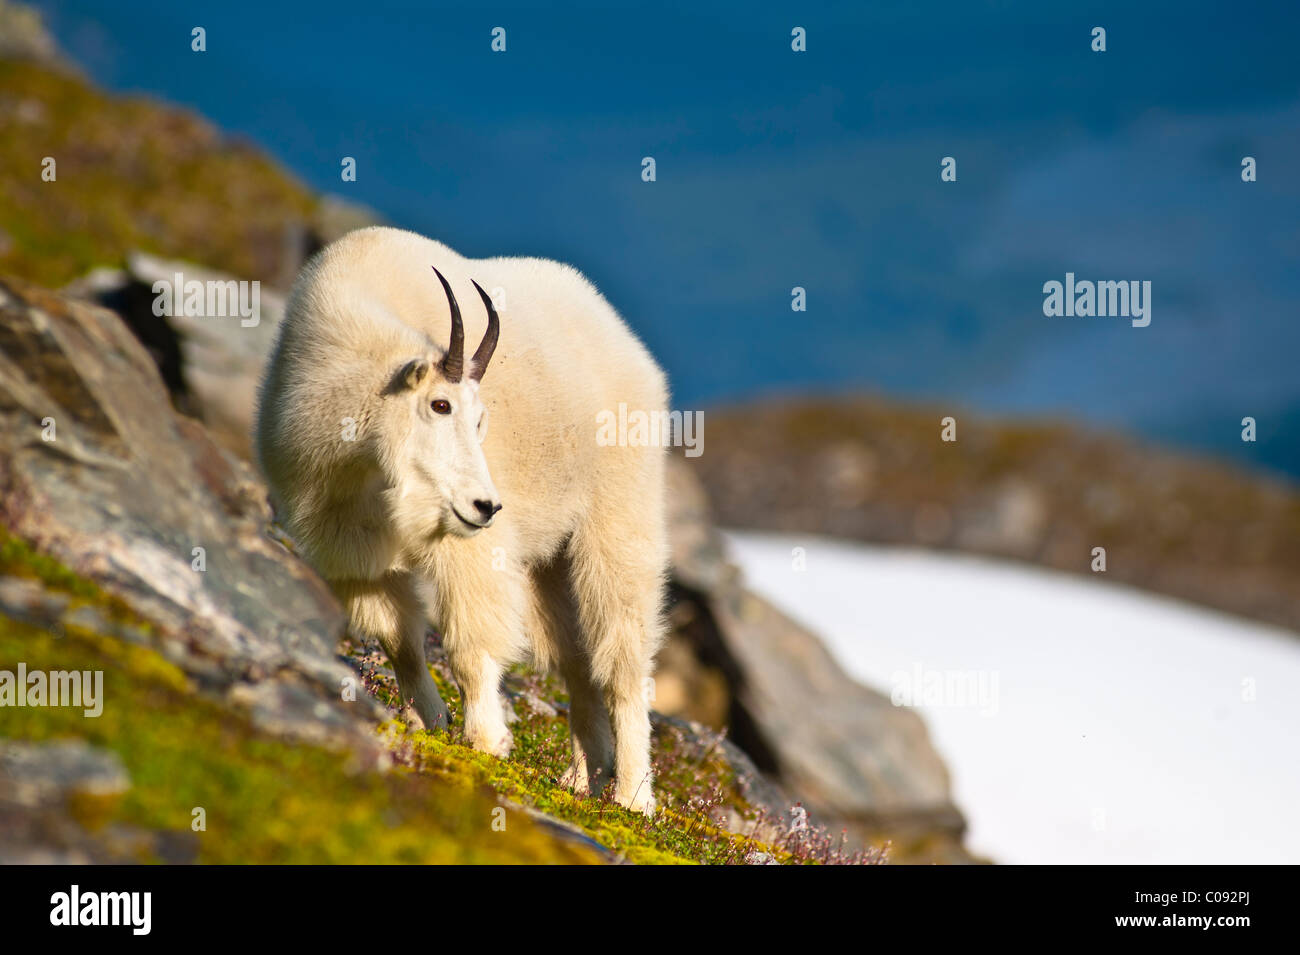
419	511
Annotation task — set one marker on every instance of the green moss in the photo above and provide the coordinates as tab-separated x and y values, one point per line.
131	174
671	837
266	799
689	784
20	559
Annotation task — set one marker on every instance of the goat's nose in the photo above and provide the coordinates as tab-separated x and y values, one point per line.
487	509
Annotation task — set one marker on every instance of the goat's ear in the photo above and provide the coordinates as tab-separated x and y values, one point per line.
409	375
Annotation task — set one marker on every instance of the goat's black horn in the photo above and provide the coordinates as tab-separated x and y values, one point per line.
453	363
489	343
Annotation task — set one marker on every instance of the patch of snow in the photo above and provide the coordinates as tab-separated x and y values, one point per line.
1083	722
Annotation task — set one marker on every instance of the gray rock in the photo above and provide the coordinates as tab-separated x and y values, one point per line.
222	357
39	825
211	363
29	602
125	490
856	760
23	36
37	775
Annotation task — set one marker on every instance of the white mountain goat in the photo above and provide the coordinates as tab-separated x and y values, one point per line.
528	536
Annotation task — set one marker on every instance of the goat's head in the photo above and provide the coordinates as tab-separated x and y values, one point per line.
437	425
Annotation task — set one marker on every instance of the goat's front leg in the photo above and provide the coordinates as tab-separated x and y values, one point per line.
479	677
478	602
390	610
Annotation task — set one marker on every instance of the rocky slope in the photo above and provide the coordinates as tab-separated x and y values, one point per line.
852	760
135	547
222	686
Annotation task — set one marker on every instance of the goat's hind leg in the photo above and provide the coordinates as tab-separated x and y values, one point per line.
592	766
618	585
556	643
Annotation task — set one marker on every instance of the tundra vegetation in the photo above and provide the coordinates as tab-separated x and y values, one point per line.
132	174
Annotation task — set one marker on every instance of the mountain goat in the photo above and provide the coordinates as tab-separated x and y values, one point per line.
528	535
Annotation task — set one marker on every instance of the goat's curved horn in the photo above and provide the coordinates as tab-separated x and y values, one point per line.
489	343
453	363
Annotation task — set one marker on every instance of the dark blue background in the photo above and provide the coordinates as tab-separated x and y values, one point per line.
818	169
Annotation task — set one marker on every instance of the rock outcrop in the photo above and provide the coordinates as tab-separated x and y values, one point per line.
98	471
210	363
856	760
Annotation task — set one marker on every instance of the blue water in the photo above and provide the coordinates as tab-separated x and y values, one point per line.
820	169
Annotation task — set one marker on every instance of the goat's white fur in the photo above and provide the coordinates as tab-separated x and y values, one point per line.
572	569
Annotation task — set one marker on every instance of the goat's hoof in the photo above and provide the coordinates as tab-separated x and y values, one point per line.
431	720
642	801
494	745
575	778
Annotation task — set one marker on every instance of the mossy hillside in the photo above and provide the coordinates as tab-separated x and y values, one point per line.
695	786
271	800
20	559
274	801
132	174
266	800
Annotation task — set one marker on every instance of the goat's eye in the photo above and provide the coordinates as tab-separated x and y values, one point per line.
441	406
